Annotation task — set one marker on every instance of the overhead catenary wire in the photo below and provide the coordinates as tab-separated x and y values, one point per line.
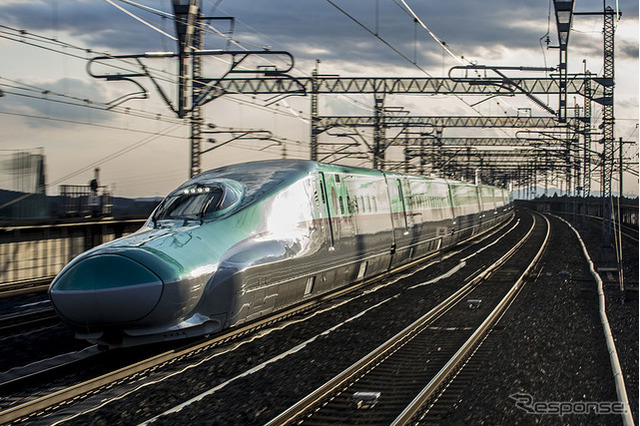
29	38
173	18
219	33
457	56
442	44
373	33
58	42
168	15
137	18
402	55
153	27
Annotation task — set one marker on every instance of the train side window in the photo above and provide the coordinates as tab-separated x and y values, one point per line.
342	211
375	204
349	206
369	204
337	178
309	287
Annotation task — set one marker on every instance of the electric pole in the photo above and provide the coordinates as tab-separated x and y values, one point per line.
189	40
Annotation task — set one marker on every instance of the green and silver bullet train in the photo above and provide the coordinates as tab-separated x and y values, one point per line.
239	242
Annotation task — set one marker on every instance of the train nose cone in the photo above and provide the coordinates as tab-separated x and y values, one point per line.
106	289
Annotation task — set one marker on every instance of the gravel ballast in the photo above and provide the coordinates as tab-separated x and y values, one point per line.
550	345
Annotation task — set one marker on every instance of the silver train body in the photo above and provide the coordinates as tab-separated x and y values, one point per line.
240	242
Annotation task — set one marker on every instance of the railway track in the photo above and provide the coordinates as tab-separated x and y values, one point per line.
17	288
27	321
48	401
394	383
216	399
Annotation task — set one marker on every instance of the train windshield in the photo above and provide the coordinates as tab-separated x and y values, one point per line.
192	203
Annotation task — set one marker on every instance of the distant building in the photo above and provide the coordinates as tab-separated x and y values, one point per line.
22	179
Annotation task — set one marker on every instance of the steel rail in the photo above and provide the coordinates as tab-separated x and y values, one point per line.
17	288
452	365
18	376
28	408
10	323
56	398
314	399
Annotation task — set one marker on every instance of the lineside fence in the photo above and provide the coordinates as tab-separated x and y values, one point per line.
38	251
626	209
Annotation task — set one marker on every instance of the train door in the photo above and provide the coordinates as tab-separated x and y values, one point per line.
343	229
403	206
325	210
401	248
405	196
347	222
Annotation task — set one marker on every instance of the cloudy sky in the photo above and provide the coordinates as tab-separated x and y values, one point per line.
142	148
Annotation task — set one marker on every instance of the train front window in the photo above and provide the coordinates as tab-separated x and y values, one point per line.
191	203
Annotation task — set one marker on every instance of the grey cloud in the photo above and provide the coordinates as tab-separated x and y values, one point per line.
629	50
466	25
98	24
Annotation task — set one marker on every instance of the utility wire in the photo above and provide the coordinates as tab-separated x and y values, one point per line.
85	103
105	159
103	126
125	150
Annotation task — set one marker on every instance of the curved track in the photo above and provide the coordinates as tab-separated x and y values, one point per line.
392	384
